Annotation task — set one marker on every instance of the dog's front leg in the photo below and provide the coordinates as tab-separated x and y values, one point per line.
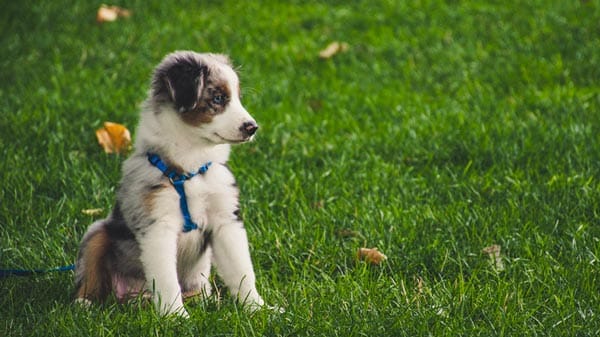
232	259
159	258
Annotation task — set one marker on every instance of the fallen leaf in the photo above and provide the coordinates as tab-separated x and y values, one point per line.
92	211
371	255
315	104
332	49
493	252
420	285
114	138
111	13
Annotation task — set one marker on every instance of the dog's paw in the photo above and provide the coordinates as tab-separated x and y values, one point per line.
182	313
177	313
174	310
83	302
195	295
275	308
261	305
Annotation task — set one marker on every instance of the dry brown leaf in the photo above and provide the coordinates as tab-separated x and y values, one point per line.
114	138
92	211
371	255
420	285
111	13
332	49
493	252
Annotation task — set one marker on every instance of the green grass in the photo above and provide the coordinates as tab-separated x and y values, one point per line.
445	128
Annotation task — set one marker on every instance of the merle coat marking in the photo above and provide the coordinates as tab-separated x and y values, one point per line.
191	116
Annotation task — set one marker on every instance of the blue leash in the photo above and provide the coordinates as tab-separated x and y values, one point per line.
29	272
177	180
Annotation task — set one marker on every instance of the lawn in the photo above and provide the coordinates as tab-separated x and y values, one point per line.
443	129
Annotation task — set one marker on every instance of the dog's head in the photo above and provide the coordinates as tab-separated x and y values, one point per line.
203	90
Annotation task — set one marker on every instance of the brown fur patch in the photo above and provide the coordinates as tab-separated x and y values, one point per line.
151	194
96	282
207	109
200	115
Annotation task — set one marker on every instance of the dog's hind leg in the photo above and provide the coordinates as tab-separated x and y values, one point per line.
92	277
196	281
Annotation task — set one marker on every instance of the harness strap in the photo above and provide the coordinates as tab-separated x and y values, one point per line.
177	180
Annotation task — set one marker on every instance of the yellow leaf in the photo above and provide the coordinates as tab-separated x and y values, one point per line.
371	255
493	252
111	13
114	138
332	49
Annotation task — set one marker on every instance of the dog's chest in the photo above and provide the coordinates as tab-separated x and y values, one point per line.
199	194
209	195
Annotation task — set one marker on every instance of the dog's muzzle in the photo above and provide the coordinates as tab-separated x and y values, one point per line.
248	129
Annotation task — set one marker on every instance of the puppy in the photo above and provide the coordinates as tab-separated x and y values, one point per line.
177	203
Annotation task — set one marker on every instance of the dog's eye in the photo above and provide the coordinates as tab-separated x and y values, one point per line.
219	99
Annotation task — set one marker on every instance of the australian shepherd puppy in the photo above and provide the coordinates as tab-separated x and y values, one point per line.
177	203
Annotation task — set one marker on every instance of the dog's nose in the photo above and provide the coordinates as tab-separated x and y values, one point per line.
249	128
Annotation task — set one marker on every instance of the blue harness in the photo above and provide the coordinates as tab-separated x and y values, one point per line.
177	180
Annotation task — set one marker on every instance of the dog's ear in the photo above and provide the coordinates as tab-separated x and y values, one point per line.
185	82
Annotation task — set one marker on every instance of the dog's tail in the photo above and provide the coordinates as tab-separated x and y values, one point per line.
92	275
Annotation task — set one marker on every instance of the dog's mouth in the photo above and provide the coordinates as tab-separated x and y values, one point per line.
233	141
